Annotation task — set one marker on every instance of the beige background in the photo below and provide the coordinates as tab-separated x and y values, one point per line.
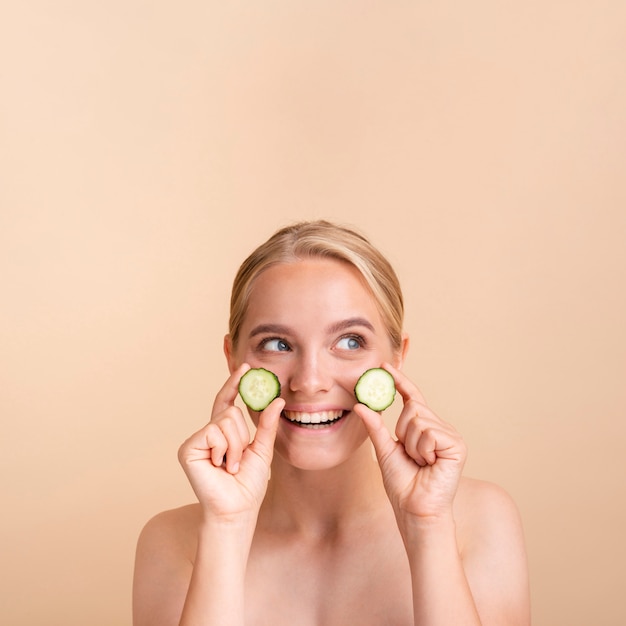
146	147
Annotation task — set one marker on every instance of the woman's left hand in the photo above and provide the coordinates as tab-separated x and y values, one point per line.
422	468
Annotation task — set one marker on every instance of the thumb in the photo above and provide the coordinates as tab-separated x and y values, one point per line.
263	443
383	442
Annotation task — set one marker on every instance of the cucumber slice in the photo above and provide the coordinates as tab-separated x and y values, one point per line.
375	389
258	387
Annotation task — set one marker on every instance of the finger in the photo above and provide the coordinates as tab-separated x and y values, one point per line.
432	443
217	443
411	411
437	443
225	397
411	445
417	412
242	426
263	442
236	444
419	418
377	430
206	444
408	390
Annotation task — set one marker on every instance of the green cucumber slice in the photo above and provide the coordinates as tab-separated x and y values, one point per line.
375	389
258	387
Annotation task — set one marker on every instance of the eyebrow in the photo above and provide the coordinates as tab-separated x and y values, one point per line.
351	322
279	329
269	329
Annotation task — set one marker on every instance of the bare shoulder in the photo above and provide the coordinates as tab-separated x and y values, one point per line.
163	566
491	542
479	498
174	529
486	513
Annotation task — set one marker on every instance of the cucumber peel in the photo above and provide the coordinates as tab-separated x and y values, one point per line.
258	387
375	389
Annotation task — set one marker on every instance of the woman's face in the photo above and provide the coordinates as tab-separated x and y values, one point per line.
314	324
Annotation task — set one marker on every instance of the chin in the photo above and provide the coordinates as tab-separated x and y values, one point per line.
318	458
313	464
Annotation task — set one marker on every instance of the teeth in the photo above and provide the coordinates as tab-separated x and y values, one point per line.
320	417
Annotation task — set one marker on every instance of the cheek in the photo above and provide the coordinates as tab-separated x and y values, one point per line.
349	373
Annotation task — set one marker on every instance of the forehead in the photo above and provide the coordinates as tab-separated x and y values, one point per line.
311	289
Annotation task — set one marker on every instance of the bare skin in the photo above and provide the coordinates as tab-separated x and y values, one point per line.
338	535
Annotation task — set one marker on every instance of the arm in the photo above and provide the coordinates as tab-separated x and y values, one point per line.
452	543
441	592
216	589
192	572
474	570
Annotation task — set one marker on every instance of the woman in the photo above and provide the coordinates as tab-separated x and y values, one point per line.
338	535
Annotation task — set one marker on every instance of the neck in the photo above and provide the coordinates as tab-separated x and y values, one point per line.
323	502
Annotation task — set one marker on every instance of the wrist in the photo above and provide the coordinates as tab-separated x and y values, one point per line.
431	544
236	525
232	531
428	527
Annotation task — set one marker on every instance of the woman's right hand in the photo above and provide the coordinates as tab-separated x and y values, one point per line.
235	487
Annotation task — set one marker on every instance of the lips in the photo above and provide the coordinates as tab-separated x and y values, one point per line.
318	419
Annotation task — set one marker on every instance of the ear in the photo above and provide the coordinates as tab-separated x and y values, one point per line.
228	352
401	354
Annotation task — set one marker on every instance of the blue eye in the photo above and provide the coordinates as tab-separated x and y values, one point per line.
350	343
275	345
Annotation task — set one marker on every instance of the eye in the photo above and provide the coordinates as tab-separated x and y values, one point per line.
275	345
350	342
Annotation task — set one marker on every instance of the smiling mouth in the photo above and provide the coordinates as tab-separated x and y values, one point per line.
317	420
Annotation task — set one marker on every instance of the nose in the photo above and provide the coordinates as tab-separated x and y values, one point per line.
310	375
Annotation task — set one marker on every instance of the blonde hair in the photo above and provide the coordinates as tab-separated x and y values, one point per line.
324	239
